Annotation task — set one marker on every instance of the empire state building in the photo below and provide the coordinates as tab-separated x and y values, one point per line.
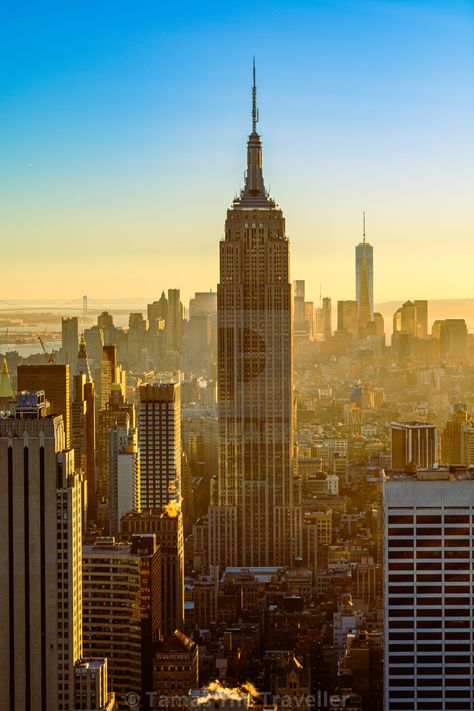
255	517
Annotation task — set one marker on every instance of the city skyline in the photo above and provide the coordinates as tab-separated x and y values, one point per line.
370	108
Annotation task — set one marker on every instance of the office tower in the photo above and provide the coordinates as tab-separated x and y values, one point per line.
175	666
467	444
107	375
347	317
160	444
174	321
121	608
318	333
428	625
421	318
40	550
404	319
168	527
7	394
379	325
117	412
137	328
105	325
300	329
309	318
83	415
70	341
94	339
158	309
54	380
451	440
453	339
256	516
202	325
124	471
327	317
91	686
365	281
413	443
203	302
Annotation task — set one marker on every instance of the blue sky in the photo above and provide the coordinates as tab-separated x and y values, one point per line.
123	129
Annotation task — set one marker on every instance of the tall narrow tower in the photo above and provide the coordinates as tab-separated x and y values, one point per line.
255	516
364	282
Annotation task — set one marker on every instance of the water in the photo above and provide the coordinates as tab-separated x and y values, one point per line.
27	349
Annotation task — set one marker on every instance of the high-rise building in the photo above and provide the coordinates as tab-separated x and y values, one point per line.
300	326
412	319
347	317
94	340
124	471
117	413
428	609
121	609
452	438
309	318
421	316
453	339
91	686
327	317
174	321
7	394
54	380
168	528
256	515
175	667
70	341
107	375
40	550
365	281
158	310
83	417
160	444
413	443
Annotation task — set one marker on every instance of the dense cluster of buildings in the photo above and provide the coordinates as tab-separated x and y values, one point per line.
243	502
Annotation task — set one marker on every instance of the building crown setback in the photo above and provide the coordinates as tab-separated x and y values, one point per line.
254	195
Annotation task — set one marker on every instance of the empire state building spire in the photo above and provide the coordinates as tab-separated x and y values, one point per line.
254	193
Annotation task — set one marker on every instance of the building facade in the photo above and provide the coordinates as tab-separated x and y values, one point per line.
428	608
413	443
255	516
40	550
160	445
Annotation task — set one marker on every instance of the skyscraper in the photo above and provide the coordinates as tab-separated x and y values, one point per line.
70	341
413	443
255	517
6	390
40	550
121	603
168	527
54	380
83	426
327	317
428	609
364	281
347	317
159	438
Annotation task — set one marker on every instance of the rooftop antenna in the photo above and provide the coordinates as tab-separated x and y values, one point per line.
320	295
254	100
363	231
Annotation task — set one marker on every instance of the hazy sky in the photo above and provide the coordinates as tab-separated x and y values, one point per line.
123	127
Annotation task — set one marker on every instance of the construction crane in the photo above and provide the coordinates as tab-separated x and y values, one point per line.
49	356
